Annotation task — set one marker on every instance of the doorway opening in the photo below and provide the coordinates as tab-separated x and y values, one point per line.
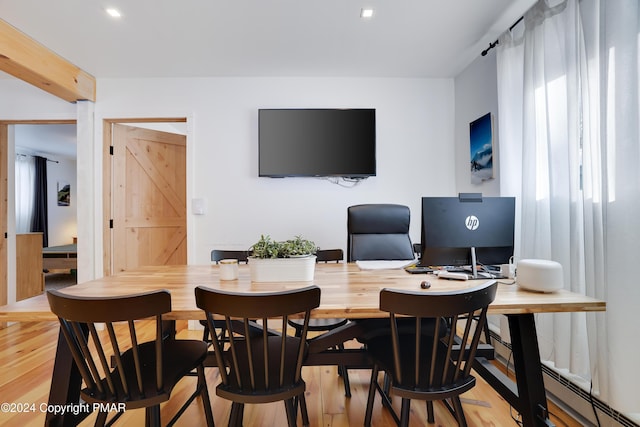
54	142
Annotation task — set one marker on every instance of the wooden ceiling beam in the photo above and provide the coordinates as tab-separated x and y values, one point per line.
28	60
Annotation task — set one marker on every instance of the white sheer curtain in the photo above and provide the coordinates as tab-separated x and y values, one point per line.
568	102
25	187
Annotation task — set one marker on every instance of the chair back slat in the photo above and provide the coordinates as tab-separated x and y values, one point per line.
301	349
83	350
66	328
159	354
217	345
481	319
104	363
136	357
395	341
450	346
283	350
434	352
119	373
258	360
418	359
251	364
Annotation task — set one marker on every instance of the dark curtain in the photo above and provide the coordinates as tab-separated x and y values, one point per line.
40	221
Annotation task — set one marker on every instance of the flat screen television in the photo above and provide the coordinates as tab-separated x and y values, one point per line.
453	226
317	143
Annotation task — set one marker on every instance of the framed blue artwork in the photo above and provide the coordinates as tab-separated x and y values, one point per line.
481	149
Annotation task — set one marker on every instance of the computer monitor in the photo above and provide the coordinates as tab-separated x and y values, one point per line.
453	228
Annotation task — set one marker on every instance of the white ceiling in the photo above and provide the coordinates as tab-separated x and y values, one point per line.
189	38
205	38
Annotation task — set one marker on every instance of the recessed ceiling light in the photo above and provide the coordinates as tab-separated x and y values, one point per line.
366	13
114	13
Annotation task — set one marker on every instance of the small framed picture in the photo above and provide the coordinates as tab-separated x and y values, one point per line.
64	193
481	148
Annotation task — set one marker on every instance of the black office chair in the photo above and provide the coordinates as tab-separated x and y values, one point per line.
325	325
378	232
143	374
263	366
429	367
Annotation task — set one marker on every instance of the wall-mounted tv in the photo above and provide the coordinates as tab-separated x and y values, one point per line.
317	142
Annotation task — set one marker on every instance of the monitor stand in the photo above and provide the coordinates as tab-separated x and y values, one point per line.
474	267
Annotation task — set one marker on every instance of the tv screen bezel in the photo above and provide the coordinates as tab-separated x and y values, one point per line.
346	174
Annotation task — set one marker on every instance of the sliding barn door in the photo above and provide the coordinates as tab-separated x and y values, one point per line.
148	198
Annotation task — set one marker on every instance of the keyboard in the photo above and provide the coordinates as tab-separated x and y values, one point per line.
453	273
418	269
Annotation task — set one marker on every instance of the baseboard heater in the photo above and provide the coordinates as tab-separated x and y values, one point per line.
571	398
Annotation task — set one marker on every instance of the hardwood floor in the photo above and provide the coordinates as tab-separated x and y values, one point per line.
27	352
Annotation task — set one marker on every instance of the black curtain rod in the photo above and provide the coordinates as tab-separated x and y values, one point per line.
495	43
31	155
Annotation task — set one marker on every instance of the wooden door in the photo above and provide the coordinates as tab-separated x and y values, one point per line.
29	275
148	198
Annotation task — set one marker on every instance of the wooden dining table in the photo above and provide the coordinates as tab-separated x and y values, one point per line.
346	292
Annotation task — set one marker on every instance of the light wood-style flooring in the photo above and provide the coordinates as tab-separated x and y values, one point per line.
27	353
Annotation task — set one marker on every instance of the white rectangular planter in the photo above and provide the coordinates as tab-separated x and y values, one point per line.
298	269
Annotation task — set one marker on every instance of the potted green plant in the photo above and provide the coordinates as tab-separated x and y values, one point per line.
290	260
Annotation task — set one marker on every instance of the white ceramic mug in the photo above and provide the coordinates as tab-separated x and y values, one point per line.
228	269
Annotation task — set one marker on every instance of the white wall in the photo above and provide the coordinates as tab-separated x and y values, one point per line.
21	101
476	94
414	151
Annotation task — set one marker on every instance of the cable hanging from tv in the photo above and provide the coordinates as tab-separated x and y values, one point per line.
343	181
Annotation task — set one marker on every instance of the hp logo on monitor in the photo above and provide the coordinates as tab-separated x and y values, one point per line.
472	222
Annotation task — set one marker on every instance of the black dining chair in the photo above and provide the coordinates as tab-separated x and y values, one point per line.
260	365
417	250
325	325
143	373
219	254
429	367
